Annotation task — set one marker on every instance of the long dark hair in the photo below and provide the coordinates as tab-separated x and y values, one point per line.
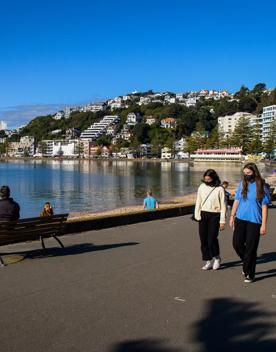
214	176
258	179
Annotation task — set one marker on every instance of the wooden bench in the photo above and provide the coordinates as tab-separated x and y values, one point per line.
30	229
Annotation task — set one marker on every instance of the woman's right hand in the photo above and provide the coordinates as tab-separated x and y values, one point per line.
232	222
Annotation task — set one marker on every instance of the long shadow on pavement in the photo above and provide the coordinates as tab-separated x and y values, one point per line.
263	258
69	250
231	325
146	345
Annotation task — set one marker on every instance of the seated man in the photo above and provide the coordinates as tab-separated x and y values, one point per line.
150	202
9	209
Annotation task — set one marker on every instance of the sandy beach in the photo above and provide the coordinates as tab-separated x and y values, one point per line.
184	200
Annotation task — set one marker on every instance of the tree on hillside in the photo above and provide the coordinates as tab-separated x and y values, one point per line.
141	131
242	135
247	104
206	118
256	145
104	140
272	97
259	88
186	123
213	141
243	92
198	139
4	147
224	107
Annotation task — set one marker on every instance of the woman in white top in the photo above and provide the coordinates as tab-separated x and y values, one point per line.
210	211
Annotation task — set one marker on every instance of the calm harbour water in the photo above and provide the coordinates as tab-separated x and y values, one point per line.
73	186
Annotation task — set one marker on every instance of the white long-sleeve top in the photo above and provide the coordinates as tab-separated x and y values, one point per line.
216	202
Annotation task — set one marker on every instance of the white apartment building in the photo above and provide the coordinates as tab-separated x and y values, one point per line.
111	131
145	150
166	153
27	140
191	101
116	105
172	100
144	100
168	123
179	96
23	148
150	120
133	119
180	145
124	133
181	155
66	148
266	119
58	116
67	113
227	124
99	128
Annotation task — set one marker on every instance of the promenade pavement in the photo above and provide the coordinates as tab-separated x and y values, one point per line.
137	288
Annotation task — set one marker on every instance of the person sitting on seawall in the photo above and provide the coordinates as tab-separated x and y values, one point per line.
210	212
9	209
249	217
150	202
47	210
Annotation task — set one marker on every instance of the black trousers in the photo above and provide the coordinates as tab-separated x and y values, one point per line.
208	233
245	242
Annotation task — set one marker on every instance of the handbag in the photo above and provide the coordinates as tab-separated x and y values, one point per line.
193	216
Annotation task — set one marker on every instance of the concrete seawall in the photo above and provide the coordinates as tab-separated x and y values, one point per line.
76	226
103	222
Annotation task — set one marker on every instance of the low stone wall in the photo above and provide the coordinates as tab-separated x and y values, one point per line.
74	226
81	225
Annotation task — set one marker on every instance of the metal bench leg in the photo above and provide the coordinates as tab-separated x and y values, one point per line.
42	242
58	240
1	262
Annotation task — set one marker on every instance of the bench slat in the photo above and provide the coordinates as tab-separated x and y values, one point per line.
31	228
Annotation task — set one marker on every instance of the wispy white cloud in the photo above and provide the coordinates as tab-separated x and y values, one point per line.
21	114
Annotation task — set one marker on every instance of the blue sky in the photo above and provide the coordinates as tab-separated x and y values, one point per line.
67	51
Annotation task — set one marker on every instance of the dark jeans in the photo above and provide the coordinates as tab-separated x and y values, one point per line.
208	233
245	242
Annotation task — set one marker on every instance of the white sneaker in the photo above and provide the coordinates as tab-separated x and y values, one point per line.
216	264
248	280
207	266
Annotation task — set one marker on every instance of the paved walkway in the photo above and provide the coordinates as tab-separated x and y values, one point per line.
137	288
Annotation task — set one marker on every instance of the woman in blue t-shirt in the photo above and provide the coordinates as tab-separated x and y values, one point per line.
249	217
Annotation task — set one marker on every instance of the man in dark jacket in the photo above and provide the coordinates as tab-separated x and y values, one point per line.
9	209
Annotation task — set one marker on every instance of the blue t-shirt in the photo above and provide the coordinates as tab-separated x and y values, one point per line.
250	208
150	203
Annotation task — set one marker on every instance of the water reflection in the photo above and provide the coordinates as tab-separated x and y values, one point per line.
72	185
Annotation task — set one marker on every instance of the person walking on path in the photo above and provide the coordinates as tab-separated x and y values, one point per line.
9	209
249	217
150	202
210	212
